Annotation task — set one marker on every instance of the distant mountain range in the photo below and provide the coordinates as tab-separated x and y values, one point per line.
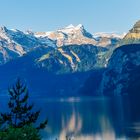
66	62
14	43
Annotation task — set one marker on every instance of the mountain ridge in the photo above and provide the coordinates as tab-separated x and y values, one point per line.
15	43
60	66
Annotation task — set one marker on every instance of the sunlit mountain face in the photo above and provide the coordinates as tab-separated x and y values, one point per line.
79	35
133	36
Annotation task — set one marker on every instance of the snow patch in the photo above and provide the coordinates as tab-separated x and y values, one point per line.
109	35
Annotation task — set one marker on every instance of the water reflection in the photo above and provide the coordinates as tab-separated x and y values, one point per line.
91	119
84	120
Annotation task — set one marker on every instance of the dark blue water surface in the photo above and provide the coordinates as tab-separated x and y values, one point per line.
89	118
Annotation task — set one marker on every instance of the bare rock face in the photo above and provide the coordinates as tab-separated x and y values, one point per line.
133	36
136	28
70	35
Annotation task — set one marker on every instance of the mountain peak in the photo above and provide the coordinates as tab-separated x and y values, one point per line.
3	29
133	36
136	28
80	26
137	24
70	29
70	26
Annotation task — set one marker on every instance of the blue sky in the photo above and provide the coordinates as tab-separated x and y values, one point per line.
45	15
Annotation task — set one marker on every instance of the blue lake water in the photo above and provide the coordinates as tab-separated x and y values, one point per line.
89	118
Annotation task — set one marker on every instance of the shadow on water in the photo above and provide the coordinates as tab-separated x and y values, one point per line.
131	110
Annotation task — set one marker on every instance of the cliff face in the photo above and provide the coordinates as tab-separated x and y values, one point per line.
123	68
122	74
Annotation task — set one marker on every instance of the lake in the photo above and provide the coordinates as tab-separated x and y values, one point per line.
90	118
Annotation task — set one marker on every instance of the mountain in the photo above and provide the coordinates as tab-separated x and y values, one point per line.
123	72
55	63
78	35
55	71
121	75
108	39
73	58
133	36
15	43
70	35
66	59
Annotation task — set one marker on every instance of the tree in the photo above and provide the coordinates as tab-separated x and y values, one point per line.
24	133
20	114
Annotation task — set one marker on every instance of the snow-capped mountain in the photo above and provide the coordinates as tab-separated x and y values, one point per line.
109	35
8	47
14	43
79	35
70	35
65	58
108	39
43	60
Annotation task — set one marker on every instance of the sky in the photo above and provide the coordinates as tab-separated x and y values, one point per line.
47	15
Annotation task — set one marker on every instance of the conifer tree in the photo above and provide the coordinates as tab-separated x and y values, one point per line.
20	111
